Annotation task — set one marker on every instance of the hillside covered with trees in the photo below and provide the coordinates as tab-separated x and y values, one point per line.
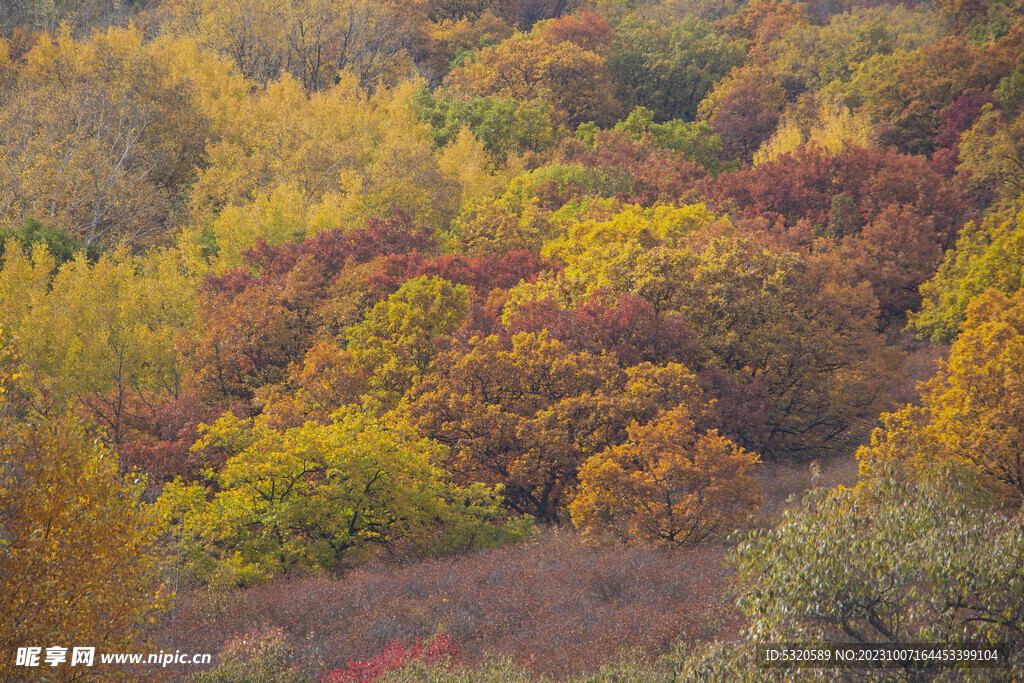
484	340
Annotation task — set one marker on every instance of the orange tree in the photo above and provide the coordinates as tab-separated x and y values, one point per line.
669	484
573	79
527	417
798	332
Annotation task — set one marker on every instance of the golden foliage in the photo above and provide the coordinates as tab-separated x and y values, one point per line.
668	484
290	164
76	556
973	411
574	80
529	416
318	42
313	496
85	329
829	125
95	137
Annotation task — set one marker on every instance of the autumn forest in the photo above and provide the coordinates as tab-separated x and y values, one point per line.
510	340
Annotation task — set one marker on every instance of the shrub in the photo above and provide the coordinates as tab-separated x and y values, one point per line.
553	605
395	656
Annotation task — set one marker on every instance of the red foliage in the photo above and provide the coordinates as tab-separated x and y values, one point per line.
396	235
298	277
741	408
639	172
394	656
160	437
960	115
896	252
630	328
802	186
744	120
256	325
483	273
331	250
957	118
588	30
233	282
764	22
248	341
890	215
908	96
484	320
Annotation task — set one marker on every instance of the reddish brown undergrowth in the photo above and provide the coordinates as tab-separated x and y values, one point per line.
554	604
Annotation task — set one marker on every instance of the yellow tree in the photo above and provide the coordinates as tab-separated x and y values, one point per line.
8	372
973	411
313	40
76	555
989	254
97	138
321	496
398	339
668	484
95	333
574	80
289	164
797	335
251	32
828	125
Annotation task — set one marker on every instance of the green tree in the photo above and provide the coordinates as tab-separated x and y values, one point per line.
907	91
888	562
669	67
695	141
58	242
506	127
992	153
989	254
808	56
321	497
